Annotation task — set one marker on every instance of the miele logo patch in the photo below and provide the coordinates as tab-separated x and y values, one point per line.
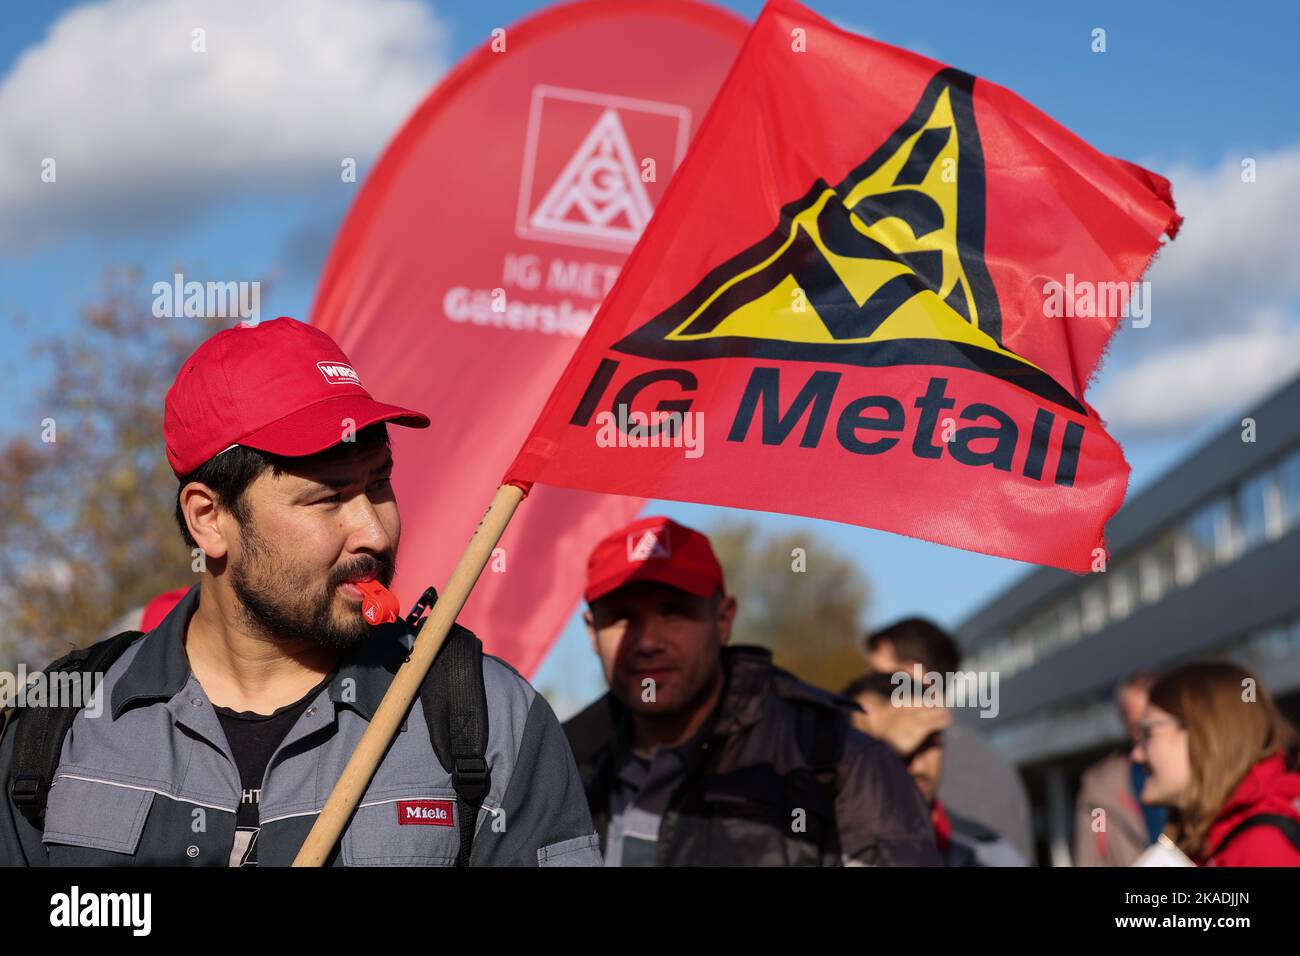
649	544
336	373
429	813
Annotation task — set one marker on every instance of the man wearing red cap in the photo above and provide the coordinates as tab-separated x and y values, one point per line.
707	754
229	722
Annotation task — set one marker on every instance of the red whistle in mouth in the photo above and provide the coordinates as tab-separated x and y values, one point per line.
378	604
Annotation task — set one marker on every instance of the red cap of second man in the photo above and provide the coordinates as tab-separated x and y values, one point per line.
654	549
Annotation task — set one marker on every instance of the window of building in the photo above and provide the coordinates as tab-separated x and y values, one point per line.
1122	591
1260	510
1227	532
1288	479
1046	631
1271	642
1026	649
1285	639
1093	606
1211	538
1007	653
1185	564
1068	616
1158	567
995	657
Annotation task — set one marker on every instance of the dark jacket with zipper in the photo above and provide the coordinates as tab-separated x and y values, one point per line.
773	746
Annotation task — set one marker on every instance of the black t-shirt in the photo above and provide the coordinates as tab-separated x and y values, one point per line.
253	740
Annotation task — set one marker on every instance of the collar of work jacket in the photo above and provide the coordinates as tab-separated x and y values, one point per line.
161	671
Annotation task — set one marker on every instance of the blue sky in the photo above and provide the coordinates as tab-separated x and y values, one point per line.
1188	89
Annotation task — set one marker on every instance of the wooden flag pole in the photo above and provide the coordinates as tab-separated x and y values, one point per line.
406	684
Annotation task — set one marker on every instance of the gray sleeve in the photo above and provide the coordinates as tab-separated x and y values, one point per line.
543	819
20	842
981	784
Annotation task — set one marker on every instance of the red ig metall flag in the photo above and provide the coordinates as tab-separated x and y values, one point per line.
849	306
477	253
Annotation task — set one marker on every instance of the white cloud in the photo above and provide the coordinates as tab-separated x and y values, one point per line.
1225	322
145	131
1237	247
1202	381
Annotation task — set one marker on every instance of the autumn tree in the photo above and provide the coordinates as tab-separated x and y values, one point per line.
86	495
798	596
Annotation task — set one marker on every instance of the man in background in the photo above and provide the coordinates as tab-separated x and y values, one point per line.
1111	826
704	753
916	734
978	782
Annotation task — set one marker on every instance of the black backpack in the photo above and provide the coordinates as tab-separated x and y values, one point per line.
453	697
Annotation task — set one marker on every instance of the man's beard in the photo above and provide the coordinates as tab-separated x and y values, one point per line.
283	606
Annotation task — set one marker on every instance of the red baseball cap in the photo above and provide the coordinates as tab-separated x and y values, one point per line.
282	386
654	549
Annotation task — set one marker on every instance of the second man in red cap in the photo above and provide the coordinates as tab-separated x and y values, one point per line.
704	753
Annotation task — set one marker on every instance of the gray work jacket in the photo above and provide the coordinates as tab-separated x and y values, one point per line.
150	779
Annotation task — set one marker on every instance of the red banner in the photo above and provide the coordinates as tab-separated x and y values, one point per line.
875	292
475	257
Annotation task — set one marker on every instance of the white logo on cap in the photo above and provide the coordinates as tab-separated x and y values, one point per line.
336	373
649	544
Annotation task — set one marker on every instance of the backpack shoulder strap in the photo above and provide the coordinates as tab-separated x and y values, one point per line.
455	707
1290	829
38	735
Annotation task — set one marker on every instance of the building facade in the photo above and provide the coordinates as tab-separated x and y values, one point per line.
1204	563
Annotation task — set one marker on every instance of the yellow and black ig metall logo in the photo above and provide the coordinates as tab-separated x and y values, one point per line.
887	268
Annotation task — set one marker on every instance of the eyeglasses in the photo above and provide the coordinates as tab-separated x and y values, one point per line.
1144	730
